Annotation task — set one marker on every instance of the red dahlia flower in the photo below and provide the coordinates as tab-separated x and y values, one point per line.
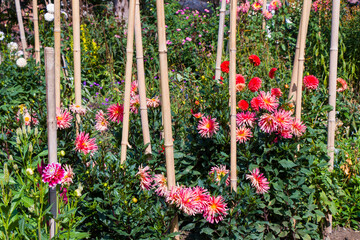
116	113
225	66
255	103
272	73
254	84
240	82
342	85
207	127
276	92
216	209
255	60
311	82
243	105
85	144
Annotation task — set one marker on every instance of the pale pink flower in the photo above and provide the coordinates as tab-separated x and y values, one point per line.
258	181
342	85
268	102
275	5
153	102
63	119
68	176
207	127
161	185
215	210
145	178
298	128
135	104
53	174
267	15
101	122
134	88
77	109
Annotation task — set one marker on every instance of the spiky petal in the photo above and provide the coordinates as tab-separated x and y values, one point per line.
63	118
215	210
208	127
258	181
145	178
243	134
101	122
116	113
85	144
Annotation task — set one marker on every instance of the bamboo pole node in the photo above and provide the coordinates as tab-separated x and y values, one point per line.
168	145
57	31
140	57
334	49
217	68
129	51
331	120
163	51
35	19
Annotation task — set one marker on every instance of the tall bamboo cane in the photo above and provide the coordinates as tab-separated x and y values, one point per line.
303	32
293	85
165	102
52	127
128	72
220	42
263	9
332	89
21	27
57	43
232	73
141	78
36	31
77	57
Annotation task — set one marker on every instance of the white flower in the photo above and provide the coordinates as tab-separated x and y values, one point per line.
19	53
65	14
21	62
29	171
49	17
2	36
13	46
50	8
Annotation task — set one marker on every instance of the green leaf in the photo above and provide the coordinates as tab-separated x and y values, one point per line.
287	163
207	231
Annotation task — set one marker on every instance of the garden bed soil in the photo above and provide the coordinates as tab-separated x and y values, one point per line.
341	233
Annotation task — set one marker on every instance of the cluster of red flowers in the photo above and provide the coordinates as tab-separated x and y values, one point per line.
190	200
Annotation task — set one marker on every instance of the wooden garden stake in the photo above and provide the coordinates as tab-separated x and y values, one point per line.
165	102
263	9
77	57
293	85
21	27
220	42
232	75
303	32
51	125
36	31
57	43
332	89
141	78
128	72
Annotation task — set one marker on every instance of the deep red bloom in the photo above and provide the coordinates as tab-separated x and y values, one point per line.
255	60
243	105
225	66
276	92
311	82
240	82
254	84
255	103
116	113
272	73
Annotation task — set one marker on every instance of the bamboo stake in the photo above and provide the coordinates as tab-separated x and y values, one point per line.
57	43
232	75
293	85
332	89
77	57
128	72
263	9
303	32
51	125
36	31
21	27
220	42
141	78
165	103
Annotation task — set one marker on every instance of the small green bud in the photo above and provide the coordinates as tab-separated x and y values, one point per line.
30	147
11	158
18	132
24	129
36	132
29	171
18	140
6	174
28	129
15	167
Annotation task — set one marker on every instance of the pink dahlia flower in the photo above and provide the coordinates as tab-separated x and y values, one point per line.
276	92
135	104
145	178
216	209
268	102
342	85
77	109
256	6
116	113
153	102
134	88
268	123
63	118
258	181
207	127
243	134
275	5
283	118
186	201
85	144
101	122
53	174
298	128
244	119
311	82
267	15
219	172
201	197
161	185
68	176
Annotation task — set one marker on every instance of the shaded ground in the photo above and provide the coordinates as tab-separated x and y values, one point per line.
344	234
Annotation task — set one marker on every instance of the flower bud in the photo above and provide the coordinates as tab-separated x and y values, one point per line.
18	132
11	158
28	129
62	153
29	171
30	147
6	174
36	132
78	192
15	166
24	129
18	140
